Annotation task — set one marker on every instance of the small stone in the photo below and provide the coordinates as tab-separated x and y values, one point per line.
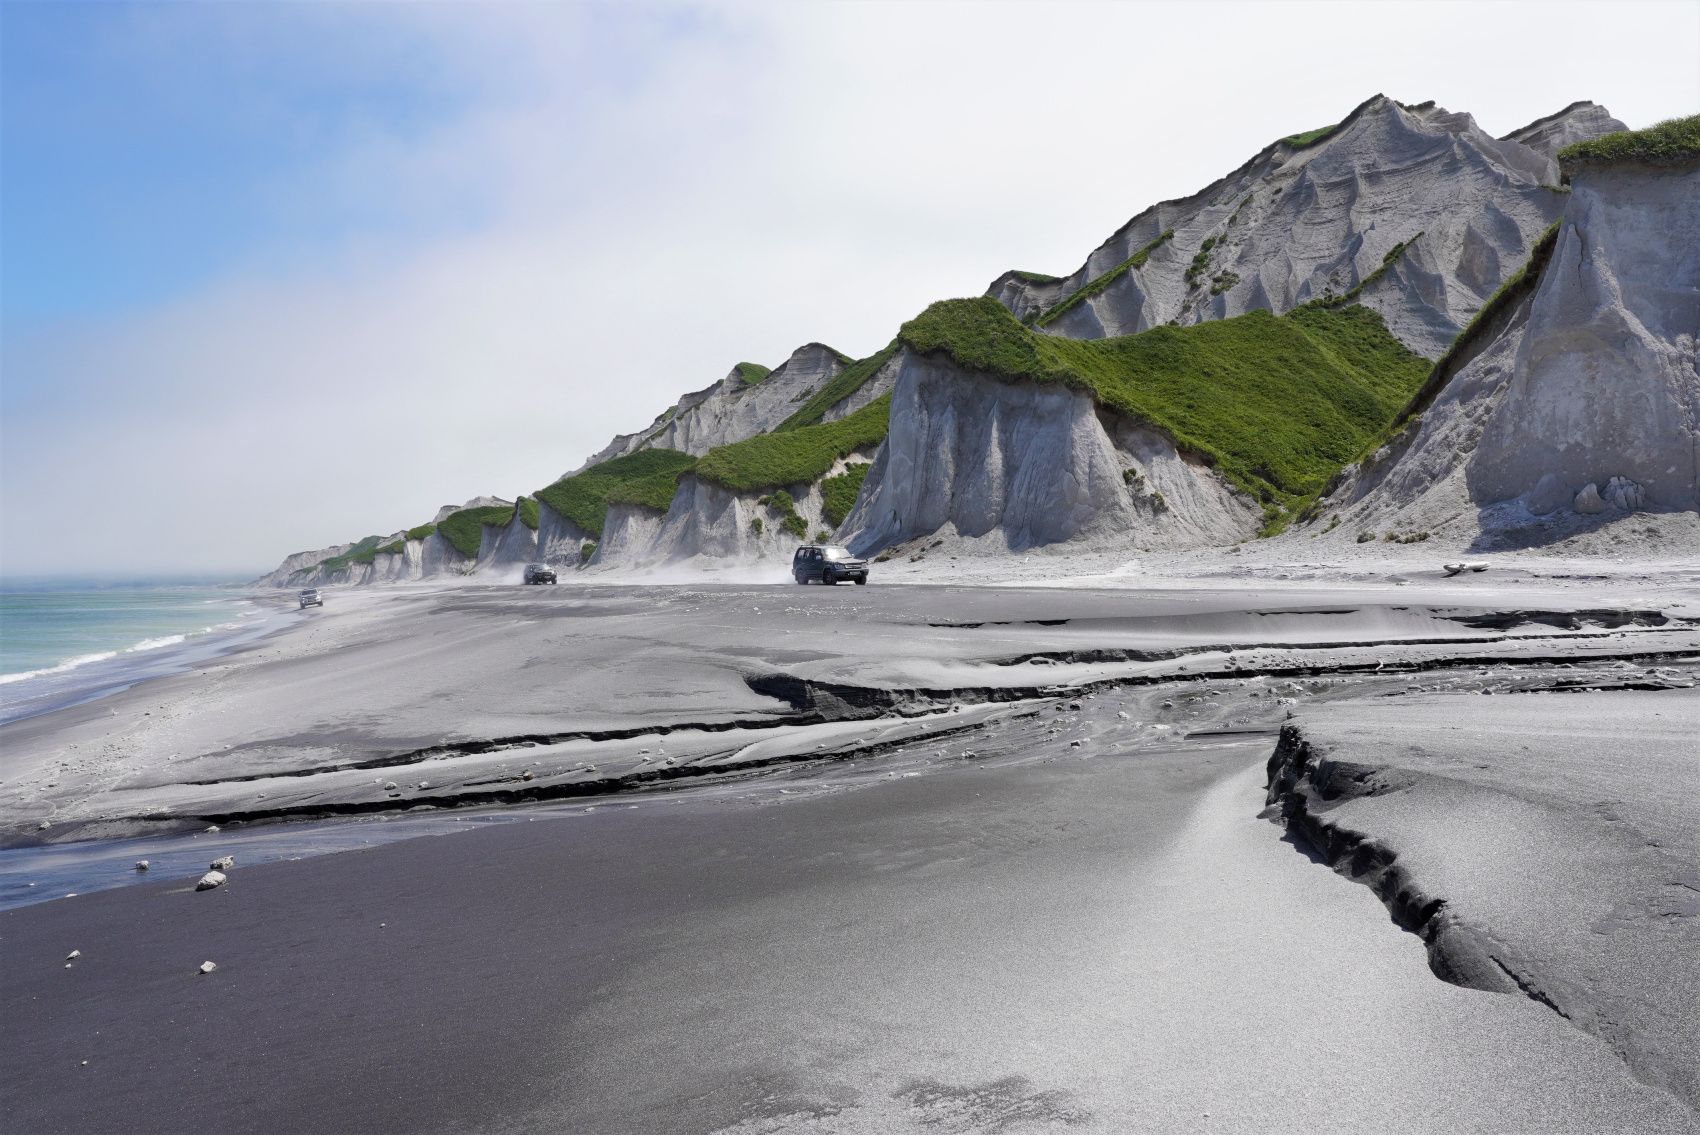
1074	744
389	786
1074	705
44	825
211	880
223	863
1588	501
141	864
208	967
1168	705
526	775
1122	715
213	828
73	955
424	784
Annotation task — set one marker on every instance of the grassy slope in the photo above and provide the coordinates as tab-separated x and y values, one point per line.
1673	142
838	494
1098	283
464	530
847	382
796	456
1275	403
363	552
647	478
752	373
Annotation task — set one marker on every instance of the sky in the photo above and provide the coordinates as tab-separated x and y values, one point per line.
275	276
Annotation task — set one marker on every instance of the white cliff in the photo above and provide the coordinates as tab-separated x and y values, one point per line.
1581	404
1299	222
1015	466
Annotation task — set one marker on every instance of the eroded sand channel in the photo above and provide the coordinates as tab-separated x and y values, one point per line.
948	919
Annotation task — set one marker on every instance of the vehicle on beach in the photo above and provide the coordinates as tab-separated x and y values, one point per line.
539	573
311	598
828	563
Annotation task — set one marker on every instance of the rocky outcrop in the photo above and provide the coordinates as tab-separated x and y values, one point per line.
1014	466
708	525
1419	206
1578	122
733	409
1582	401
509	545
559	540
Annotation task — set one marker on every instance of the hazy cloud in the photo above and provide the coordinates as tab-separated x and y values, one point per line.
607	209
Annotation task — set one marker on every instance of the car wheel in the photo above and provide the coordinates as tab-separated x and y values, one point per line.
861	581
829	580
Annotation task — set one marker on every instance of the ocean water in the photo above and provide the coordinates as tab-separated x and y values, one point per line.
65	643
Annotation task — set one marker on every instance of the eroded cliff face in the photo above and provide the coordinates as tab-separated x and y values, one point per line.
733	409
1014	466
1457	209
708	525
1582	403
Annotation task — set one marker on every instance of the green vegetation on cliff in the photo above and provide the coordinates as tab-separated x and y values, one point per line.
1276	404
464	530
421	532
647	478
528	513
1674	142
363	552
1099	283
393	548
847	382
752	373
796	456
838	494
1309	137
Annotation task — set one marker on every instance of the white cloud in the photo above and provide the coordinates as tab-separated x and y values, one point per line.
652	200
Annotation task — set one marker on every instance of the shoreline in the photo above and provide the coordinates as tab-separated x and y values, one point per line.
85	679
735	859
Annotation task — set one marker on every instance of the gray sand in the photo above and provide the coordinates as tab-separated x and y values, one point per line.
973	907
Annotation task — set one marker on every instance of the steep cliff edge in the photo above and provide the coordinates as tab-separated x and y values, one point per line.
1416	206
1576	400
1175	437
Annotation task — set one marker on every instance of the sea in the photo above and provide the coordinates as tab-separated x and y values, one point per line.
62	643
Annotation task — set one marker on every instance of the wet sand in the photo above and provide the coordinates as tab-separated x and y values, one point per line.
1059	910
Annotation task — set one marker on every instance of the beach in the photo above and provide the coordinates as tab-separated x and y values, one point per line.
748	858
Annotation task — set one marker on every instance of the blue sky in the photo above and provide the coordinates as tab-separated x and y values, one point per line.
479	239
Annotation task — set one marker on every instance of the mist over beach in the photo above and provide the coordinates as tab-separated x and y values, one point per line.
742	568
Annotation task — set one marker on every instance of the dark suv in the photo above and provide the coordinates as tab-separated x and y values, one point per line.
539	573
828	563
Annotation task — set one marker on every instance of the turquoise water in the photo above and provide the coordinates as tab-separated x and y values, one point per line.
57	629
63	643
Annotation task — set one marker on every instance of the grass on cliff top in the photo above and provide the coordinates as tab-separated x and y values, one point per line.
1276	404
752	373
1309	137
464	530
798	456
421	532
647	478
1098	283
1676	141
1034	277
363	552
851	379
528	513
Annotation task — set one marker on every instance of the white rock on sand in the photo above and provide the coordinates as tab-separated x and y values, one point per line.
211	880
223	863
208	967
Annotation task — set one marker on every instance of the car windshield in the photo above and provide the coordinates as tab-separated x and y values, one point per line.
836	553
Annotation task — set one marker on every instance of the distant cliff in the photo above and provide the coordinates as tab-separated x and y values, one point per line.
1360	327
